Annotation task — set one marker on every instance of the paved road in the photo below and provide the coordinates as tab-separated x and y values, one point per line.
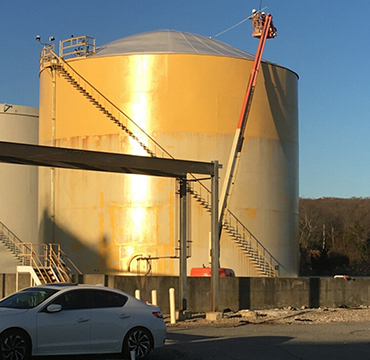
317	342
307	341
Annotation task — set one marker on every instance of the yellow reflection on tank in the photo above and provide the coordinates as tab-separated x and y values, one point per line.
140	104
139	193
138	215
140	110
129	250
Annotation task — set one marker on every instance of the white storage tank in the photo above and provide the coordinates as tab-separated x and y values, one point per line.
19	183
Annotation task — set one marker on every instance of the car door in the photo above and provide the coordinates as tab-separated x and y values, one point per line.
68	330
110	319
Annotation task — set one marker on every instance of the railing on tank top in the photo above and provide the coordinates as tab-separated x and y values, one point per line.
76	47
46	56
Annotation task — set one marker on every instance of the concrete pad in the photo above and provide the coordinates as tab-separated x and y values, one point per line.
214	315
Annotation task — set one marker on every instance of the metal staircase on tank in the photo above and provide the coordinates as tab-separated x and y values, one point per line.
262	259
46	263
101	102
259	256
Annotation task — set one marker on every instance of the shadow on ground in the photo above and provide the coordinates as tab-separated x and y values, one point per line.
231	345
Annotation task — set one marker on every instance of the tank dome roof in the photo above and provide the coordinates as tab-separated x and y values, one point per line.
170	42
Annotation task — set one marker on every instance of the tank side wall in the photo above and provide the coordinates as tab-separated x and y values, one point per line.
266	193
190	104
18	190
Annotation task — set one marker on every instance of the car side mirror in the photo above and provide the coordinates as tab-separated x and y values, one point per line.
54	308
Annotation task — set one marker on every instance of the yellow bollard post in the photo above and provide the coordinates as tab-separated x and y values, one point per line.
172	306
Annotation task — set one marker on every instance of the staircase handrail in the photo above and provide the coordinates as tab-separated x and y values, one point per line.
46	55
77	46
261	249
258	246
47	257
37	261
60	273
26	252
63	62
15	240
61	262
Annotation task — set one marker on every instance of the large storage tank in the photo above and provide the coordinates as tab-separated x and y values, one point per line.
19	183
186	91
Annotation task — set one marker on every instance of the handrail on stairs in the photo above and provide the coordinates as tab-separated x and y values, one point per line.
61	262
36	259
48	57
40	256
272	262
16	243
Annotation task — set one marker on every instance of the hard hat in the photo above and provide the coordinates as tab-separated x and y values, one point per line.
254	10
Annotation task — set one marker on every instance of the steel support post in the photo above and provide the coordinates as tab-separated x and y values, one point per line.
183	245
215	248
53	142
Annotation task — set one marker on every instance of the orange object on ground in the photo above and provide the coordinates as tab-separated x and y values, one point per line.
206	271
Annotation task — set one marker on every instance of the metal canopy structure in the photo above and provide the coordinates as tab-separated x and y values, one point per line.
66	158
25	154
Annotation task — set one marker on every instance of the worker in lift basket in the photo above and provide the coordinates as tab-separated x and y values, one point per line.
272	29
256	22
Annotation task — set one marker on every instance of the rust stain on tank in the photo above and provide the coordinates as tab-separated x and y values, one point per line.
251	212
76	247
102	249
160	185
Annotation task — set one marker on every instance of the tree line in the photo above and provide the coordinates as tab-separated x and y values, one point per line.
334	236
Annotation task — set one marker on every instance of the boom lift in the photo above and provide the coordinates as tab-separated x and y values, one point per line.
263	29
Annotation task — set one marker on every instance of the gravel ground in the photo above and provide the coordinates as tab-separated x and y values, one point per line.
278	316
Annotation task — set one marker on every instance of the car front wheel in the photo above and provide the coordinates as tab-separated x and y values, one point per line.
138	340
14	345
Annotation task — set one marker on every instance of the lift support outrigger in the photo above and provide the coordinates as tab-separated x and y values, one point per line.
263	29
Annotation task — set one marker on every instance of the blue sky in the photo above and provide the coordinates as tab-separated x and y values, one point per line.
325	42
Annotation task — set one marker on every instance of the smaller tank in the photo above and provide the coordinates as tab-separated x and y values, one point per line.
19	183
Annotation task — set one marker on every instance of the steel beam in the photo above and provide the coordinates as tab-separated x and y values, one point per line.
26	154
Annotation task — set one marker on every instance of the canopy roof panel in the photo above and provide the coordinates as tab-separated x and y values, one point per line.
170	42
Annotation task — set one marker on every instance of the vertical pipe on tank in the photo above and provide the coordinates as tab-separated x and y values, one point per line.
215	235
183	244
53	142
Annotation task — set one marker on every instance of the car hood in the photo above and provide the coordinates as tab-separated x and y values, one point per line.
11	311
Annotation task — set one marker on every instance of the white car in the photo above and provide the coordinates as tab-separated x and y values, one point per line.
67	319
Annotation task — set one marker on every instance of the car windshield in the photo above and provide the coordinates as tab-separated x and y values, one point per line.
26	299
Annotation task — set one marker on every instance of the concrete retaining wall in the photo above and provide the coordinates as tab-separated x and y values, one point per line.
235	293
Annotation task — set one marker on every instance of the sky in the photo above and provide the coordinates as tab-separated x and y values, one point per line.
325	42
